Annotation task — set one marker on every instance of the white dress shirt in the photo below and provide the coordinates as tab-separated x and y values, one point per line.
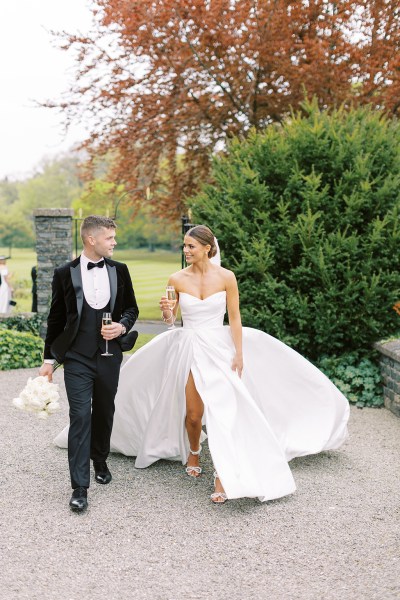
96	287
96	284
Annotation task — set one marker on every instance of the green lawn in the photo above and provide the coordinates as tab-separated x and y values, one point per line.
141	341
149	272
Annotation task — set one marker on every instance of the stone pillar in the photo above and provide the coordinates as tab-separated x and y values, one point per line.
53	247
390	369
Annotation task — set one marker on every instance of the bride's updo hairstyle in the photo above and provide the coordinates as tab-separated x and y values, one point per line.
205	236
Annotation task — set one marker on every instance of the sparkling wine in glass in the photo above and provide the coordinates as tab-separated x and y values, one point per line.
106	320
171	297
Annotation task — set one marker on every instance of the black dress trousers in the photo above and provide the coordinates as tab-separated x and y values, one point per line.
91	384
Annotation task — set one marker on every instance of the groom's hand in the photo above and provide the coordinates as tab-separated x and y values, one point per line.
46	370
109	332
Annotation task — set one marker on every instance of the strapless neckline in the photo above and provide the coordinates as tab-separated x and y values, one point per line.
203	299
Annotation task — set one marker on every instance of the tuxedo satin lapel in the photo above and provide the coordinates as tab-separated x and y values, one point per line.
112	274
76	278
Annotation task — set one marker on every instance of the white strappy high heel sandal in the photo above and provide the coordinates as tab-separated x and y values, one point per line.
194	471
218	497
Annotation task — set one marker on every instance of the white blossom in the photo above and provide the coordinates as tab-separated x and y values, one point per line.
18	403
39	396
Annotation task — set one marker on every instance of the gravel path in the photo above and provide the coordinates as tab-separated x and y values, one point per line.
153	533
153	327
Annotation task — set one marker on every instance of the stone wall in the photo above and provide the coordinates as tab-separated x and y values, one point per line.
390	368
53	247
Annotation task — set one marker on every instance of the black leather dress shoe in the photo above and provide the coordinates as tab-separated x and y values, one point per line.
101	472
78	502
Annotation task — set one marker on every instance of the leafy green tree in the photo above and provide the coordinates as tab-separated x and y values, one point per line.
59	183
55	184
138	227
16	230
8	193
307	216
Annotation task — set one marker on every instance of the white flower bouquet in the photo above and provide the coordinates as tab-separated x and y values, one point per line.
39	396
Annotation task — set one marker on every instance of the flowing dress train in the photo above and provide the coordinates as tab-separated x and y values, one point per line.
282	407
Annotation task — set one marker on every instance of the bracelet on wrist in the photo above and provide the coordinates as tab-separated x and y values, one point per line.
167	320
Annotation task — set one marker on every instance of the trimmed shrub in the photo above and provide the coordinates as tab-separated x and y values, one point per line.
306	215
19	322
19	350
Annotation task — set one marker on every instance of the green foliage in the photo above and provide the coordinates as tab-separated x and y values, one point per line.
55	184
138	226
143	339
359	379
19	350
307	217
58	184
15	229
20	322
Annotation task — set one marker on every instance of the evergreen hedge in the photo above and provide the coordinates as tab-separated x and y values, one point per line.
306	215
19	350
21	322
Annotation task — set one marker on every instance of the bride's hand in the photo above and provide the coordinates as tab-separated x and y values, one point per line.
167	311
164	303
237	364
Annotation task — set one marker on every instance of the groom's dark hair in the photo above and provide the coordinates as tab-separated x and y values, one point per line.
93	223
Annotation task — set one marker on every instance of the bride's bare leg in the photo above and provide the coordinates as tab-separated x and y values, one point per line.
194	415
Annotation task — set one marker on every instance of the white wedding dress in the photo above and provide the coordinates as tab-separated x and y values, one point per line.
281	408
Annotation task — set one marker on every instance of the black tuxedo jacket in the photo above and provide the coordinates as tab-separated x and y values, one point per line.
67	301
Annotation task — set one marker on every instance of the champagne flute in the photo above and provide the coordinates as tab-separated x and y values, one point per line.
106	320
171	297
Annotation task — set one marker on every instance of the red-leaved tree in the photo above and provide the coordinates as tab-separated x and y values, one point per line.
163	84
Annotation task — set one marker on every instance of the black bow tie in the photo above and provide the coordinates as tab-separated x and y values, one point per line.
99	264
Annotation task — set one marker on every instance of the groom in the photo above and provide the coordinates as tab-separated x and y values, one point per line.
81	291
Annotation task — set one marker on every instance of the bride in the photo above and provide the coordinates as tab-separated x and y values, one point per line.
262	403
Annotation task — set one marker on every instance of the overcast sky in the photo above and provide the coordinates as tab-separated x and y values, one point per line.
31	68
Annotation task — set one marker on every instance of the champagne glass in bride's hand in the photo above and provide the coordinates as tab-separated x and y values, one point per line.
171	297
106	320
